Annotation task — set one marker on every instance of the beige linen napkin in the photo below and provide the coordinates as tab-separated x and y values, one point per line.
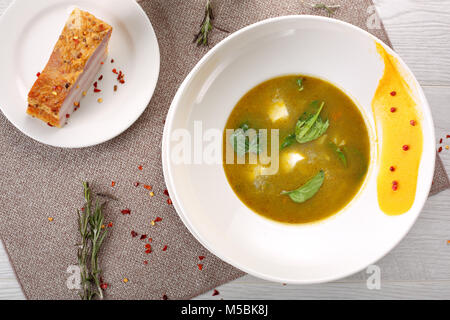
39	181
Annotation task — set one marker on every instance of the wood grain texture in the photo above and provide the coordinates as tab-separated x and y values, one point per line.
419	267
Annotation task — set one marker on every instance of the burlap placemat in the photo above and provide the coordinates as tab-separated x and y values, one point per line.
39	181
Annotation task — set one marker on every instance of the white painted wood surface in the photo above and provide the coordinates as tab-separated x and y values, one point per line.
419	267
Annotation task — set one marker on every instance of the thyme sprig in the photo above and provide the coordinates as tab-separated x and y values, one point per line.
201	38
329	8
93	233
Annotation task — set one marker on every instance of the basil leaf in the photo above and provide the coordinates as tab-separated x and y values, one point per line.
339	153
256	144
288	141
300	84
318	129
315	105
308	190
310	127
239	141
244	126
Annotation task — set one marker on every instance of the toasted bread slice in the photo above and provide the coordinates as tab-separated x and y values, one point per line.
76	59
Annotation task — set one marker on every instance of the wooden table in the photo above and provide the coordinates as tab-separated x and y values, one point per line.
419	267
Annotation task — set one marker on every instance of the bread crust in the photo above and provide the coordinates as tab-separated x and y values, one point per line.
81	36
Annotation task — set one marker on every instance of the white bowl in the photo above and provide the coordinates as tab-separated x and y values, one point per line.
349	241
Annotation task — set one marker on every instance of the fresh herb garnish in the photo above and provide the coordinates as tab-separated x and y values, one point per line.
256	143
300	84
90	222
239	141
308	190
201	38
329	8
310	127
243	141
288	141
340	154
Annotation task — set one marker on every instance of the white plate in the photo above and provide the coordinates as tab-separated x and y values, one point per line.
346	243
30	29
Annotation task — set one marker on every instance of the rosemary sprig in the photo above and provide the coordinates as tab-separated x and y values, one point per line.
329	8
90	222
201	38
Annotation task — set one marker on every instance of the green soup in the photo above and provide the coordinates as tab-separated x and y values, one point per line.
331	144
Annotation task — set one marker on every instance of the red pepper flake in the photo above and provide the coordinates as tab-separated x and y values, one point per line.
412	122
148	246
393	109
405	147
67	116
148	251
166	192
215	293
113	183
136	184
126	211
110	225
393	93
112	60
394	185
97	90
140	168
448	136
201	257
392	168
164	297
102	63
143	236
100	78
95	84
169	201
38	74
104	286
114	70
158	219
200	266
440	149
49	124
146	186
440	141
145	262
122	81
165	248
150	239
115	87
134	234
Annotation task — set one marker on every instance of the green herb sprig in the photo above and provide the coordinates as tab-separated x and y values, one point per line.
288	141
243	142
310	126
308	190
340	153
90	223
300	84
201	38
330	9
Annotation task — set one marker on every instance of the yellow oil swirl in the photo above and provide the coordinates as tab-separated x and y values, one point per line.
399	125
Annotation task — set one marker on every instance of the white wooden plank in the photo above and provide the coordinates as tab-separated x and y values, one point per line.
419	32
251	288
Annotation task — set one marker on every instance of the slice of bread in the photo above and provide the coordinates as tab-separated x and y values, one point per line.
75	61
